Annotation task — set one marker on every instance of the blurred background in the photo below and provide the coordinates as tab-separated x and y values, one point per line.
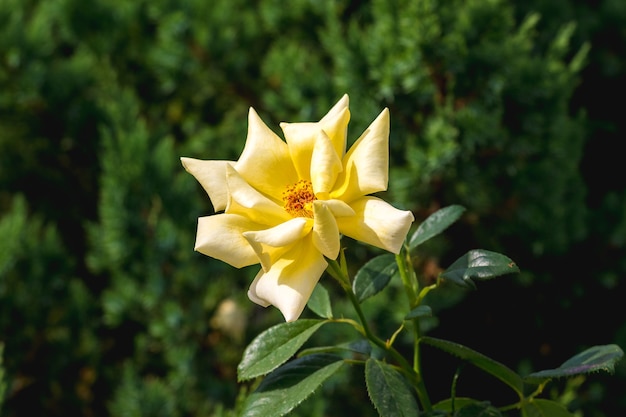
509	108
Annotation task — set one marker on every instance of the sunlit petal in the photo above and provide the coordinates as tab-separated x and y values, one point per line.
325	165
247	201
339	208
377	223
265	162
212	176
335	124
290	282
271	244
337	109
301	137
220	236
325	230
252	291
366	165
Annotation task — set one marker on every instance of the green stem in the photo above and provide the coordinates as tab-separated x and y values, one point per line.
375	339
340	275
409	283
335	270
421	387
411	286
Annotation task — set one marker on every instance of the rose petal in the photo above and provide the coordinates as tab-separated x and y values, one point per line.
290	282
325	230
212	176
301	137
325	165
263	156
339	208
377	223
335	124
366	165
248	202
220	237
271	244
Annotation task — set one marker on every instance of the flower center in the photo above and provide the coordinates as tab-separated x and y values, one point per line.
299	199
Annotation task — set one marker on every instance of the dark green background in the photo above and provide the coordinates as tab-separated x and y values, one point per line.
512	109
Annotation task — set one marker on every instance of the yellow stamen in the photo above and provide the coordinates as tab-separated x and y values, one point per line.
299	199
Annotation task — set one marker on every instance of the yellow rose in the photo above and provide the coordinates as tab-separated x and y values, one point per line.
287	203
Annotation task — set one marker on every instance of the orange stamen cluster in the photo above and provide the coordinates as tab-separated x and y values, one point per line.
299	199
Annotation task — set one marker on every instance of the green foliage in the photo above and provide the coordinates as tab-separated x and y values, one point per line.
459	407
480	265
374	276
419	311
435	224
290	384
544	408
319	302
388	390
275	346
495	368
136	397
34	276
594	359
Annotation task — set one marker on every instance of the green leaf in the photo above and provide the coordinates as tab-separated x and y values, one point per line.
479	409
594	359
374	276
435	224
319	302
358	348
458	402
539	407
286	387
388	390
479	264
419	311
275	346
500	371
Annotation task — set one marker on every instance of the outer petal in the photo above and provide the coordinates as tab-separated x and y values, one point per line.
248	202
290	282
335	124
212	176
338	108
301	137
377	223
265	162
220	237
271	244
366	165
325	230
325	165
